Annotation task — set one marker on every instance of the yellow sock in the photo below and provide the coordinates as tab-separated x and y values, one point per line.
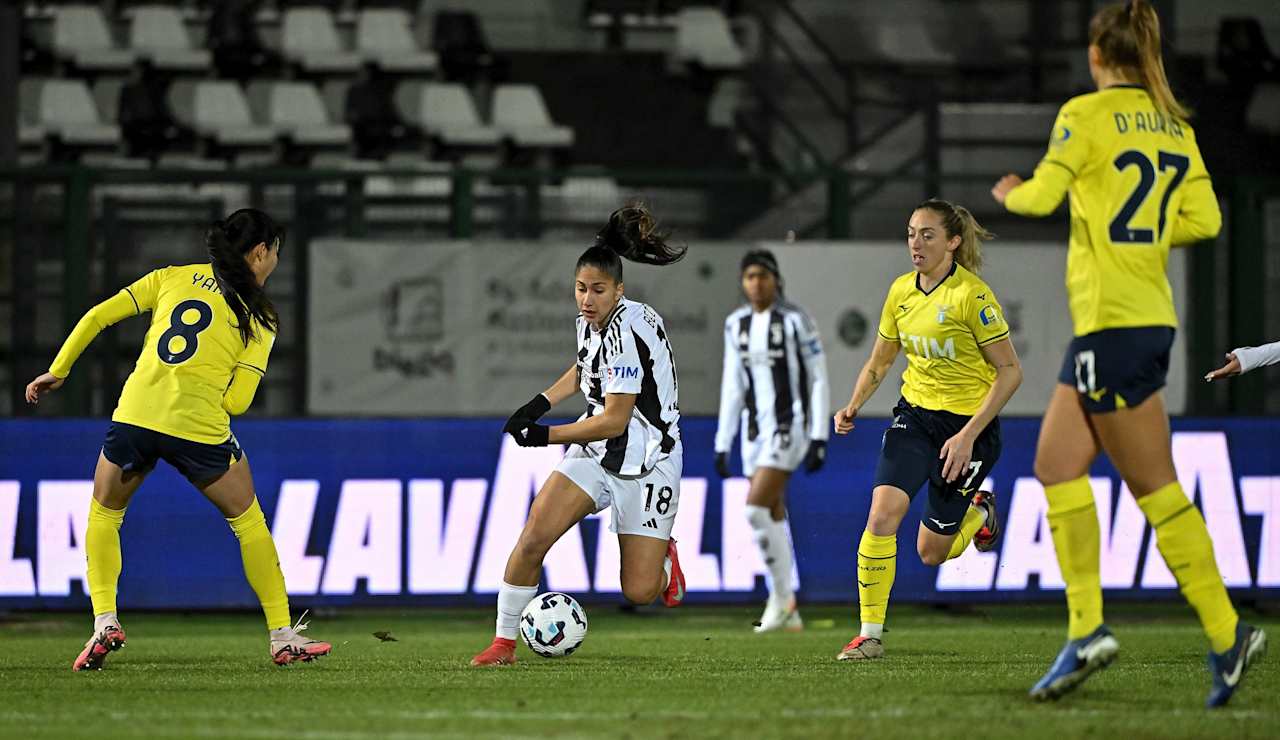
262	564
974	518
1073	520
1184	542
102	550
877	565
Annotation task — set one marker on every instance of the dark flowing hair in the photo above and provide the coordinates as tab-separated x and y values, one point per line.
631	233
228	242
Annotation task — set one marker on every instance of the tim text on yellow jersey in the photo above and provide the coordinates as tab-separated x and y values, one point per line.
942	333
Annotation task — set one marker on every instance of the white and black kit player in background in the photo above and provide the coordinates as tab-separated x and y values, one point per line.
775	388
624	452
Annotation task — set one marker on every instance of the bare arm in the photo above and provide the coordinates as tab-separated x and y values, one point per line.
872	375
564	386
611	423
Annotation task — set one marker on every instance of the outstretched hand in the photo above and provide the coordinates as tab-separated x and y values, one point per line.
1002	188
1226	371
42	385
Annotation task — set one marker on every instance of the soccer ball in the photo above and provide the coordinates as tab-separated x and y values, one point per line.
553	625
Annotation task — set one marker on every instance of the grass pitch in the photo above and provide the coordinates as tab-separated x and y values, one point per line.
692	672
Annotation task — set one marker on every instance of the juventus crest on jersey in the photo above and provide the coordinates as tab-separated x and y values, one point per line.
631	355
775	377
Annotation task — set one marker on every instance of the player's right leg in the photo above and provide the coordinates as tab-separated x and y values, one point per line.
877	566
560	504
1064	452
113	487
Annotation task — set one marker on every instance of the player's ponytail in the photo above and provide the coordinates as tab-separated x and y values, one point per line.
958	221
631	233
228	241
1128	37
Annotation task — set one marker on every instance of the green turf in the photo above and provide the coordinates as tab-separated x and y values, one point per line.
695	672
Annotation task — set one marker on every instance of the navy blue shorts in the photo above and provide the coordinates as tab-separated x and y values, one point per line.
909	457
1116	368
136	450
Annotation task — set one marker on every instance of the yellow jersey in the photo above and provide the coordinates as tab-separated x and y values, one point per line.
1137	185
942	333
194	369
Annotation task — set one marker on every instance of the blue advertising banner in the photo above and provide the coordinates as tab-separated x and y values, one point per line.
426	511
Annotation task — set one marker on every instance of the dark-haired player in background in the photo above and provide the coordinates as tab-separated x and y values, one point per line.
774	386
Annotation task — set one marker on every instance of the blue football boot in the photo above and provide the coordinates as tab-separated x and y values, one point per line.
1228	668
1078	660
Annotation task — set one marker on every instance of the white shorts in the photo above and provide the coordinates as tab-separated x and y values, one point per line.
773	450
644	506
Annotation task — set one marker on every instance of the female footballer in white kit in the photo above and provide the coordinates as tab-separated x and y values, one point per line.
774	387
624	452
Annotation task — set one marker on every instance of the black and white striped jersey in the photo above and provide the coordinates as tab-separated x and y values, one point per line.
775	376
632	355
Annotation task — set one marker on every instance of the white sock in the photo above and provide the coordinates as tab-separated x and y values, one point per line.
511	602
775	549
102	620
872	630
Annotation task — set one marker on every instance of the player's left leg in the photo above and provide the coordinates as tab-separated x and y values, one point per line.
233	493
767	515
1137	440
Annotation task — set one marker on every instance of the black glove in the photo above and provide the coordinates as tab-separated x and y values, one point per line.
527	414
530	434
722	464
816	457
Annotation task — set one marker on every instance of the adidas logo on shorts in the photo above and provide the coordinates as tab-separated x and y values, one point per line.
651	524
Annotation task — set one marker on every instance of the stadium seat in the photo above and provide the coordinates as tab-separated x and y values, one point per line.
310	40
1263	114
81	36
31	135
703	37
218	112
447	112
295	109
520	113
157	32
385	36
67	112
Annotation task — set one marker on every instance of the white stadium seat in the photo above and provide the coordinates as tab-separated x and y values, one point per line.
157	32
66	110
445	110
81	35
296	109
385	35
310	39
703	37
218	110
520	113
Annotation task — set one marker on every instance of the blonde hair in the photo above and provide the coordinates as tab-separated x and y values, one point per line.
957	221
1128	37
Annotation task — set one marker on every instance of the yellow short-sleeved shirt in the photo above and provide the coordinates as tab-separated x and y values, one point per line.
187	360
942	333
1137	185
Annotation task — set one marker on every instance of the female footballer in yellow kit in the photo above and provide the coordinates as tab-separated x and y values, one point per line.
961	371
212	328
1129	161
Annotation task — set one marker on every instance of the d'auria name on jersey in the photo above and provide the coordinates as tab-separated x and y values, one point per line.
775	377
631	355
